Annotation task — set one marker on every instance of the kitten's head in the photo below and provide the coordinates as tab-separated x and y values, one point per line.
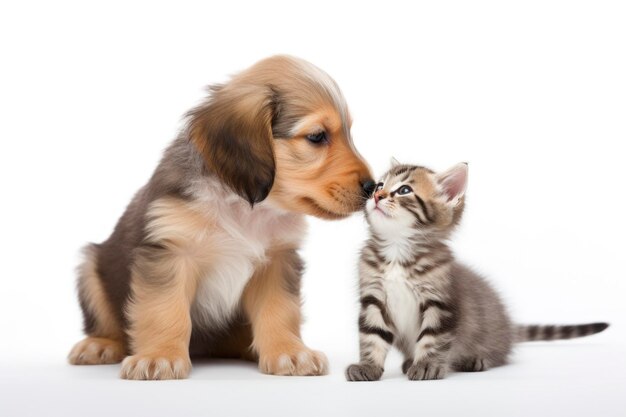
414	197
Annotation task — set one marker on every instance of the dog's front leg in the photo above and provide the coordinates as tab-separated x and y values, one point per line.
271	302
163	285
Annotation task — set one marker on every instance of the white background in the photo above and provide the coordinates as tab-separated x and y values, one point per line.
532	94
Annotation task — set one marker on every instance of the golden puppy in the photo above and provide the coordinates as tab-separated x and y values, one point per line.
204	260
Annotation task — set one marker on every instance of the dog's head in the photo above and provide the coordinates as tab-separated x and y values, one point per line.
281	130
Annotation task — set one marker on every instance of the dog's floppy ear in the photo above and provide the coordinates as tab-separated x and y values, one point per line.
233	132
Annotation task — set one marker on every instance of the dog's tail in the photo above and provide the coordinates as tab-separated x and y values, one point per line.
531	333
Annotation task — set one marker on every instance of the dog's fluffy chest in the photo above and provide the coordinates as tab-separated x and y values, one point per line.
238	242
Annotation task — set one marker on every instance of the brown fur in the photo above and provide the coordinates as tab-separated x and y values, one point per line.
97	351
159	310
244	155
316	182
235	344
274	312
233	132
105	323
106	343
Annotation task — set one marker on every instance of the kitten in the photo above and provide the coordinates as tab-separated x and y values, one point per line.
415	296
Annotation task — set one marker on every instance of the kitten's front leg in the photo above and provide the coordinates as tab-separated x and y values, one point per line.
434	341
375	339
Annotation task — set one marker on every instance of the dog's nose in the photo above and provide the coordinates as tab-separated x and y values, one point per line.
368	188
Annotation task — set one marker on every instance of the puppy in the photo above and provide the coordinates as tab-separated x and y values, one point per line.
204	259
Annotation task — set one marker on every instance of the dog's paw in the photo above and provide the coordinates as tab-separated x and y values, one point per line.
302	361
363	372
426	370
96	351
156	366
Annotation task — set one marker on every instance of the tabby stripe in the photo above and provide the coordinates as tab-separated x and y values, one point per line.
567	331
446	325
433	303
367	329
532	332
417	216
409	263
405	176
429	331
552	332
445	347
423	206
429	268
581	330
371	263
404	169
376	254
548	332
598	327
369	300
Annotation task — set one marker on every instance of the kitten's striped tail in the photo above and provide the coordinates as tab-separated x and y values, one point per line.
551	332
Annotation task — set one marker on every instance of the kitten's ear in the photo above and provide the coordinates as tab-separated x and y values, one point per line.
453	182
394	162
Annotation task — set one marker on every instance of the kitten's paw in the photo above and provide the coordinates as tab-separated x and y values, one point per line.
157	366
473	365
363	372
302	362
96	351
424	371
406	365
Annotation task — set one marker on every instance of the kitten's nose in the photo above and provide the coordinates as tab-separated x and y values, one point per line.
368	188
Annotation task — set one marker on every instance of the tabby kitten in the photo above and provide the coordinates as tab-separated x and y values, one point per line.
415	296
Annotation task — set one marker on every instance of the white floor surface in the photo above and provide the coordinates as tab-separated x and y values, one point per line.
584	377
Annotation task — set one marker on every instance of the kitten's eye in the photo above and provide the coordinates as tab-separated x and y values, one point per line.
405	189
317	137
379	186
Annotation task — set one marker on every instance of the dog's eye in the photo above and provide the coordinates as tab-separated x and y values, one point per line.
317	137
379	186
405	189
